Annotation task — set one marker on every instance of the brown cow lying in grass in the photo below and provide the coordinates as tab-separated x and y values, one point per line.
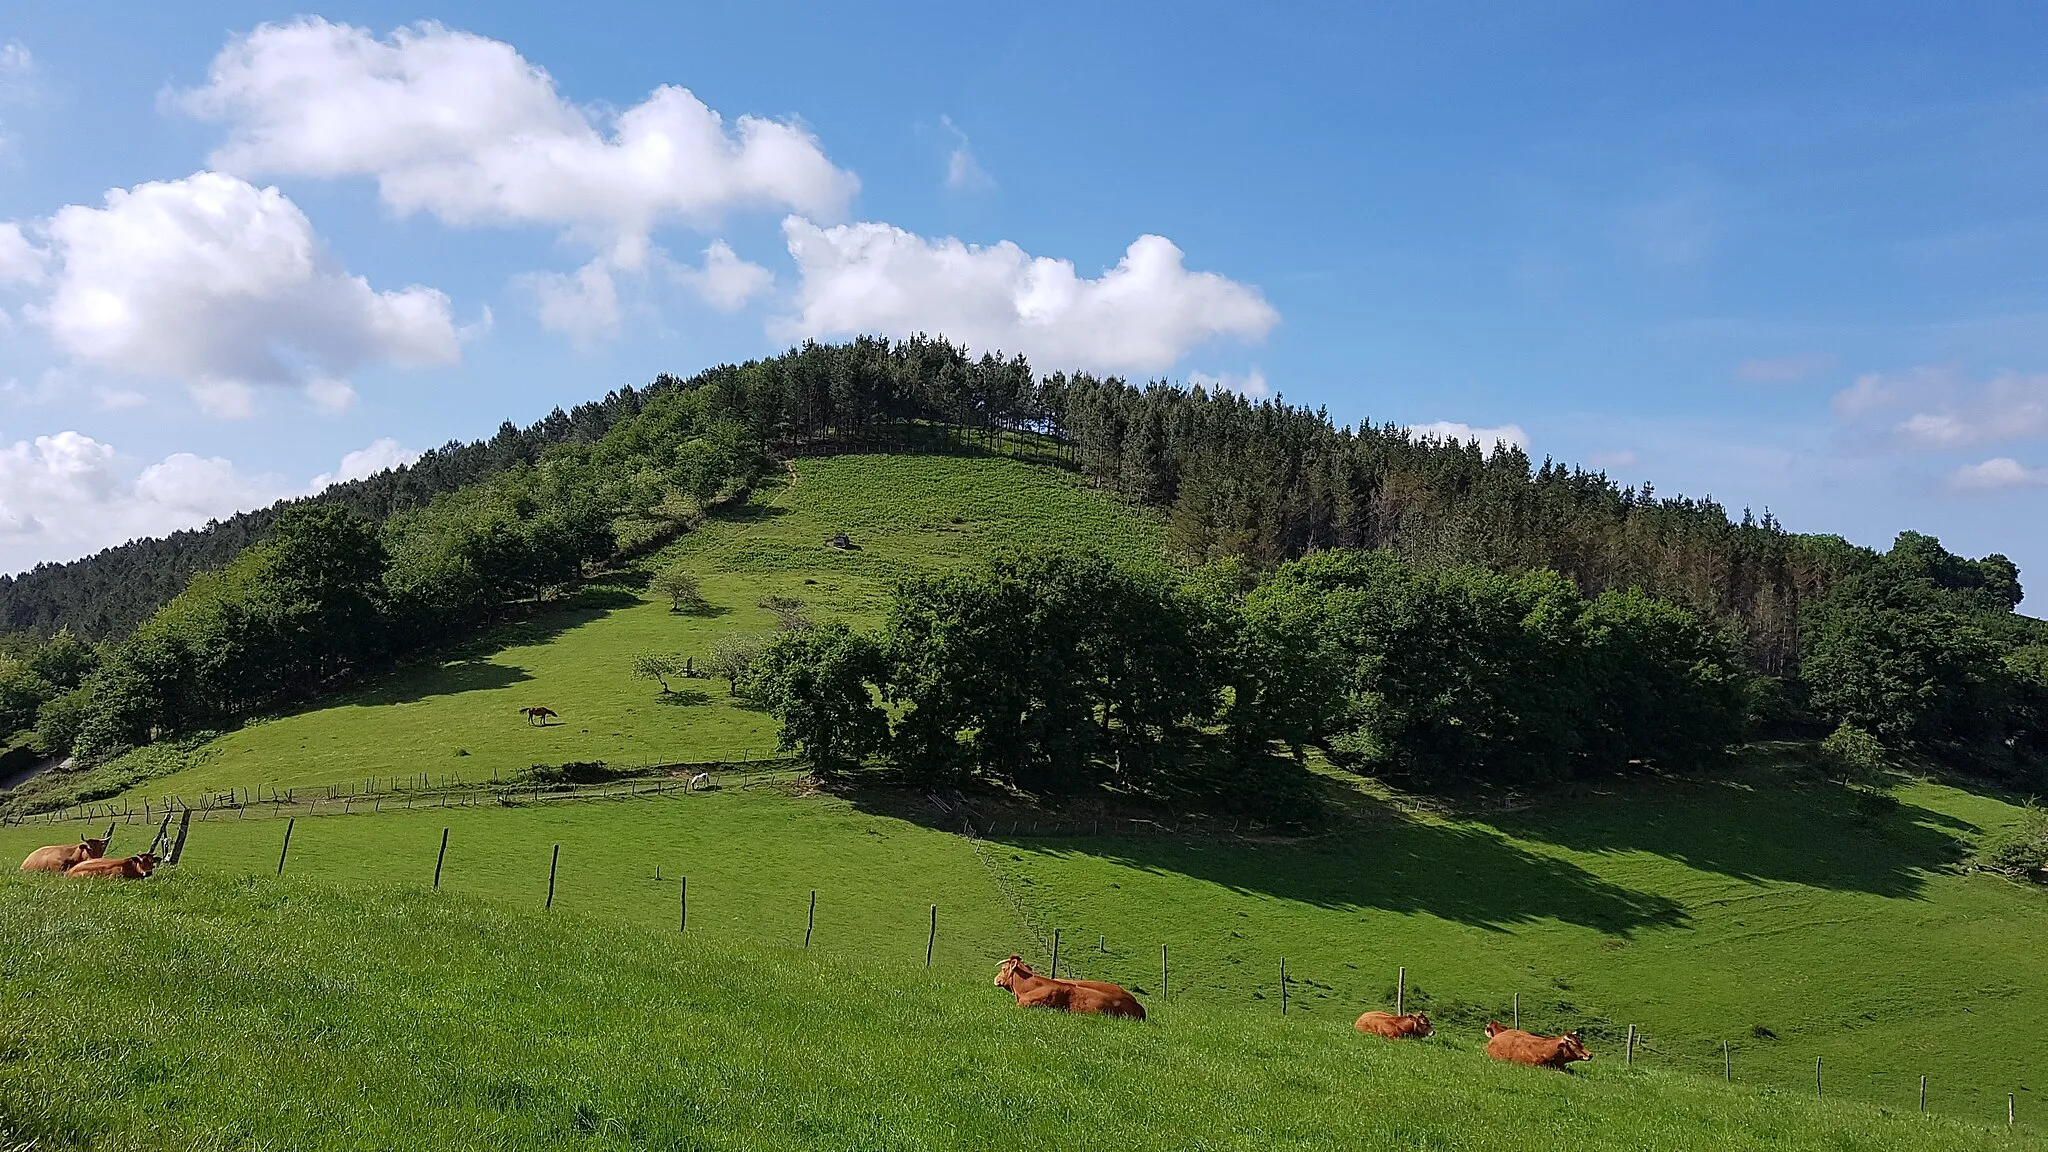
1415	1025
1519	1047
126	868
58	857
1087	996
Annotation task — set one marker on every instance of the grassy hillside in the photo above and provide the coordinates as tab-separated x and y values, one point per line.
1773	912
410	1019
459	717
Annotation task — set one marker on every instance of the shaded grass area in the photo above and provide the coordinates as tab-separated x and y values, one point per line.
414	1019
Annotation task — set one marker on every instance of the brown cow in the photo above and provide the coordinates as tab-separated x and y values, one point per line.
58	857
1092	997
1519	1047
126	868
1415	1025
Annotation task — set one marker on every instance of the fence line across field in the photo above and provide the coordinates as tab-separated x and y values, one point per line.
1633	1042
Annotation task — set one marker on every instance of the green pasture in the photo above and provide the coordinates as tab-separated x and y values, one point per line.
1785	921
458	717
394	1018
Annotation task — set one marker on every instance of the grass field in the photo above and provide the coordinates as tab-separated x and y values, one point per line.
421	1020
1772	912
459	717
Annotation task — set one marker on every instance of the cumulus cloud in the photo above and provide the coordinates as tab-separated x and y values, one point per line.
221	285
1999	472
963	171
726	282
1936	408
1251	385
381	456
1143	315
68	495
20	261
330	396
467	129
1784	369
1452	431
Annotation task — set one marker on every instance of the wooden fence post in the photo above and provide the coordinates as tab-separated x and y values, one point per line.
552	862
812	922
178	849
1283	985
1727	1068
1816	1075
1055	971
683	924
1923	1093
2009	1108
441	859
1630	1059
1400	992
932	939
282	852
1518	1011
1162	972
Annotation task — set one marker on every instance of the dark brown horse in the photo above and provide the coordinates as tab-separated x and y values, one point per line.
538	715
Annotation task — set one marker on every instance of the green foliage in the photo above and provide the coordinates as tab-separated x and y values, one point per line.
819	683
2020	850
791	614
680	587
1915	649
733	656
1854	756
1461	673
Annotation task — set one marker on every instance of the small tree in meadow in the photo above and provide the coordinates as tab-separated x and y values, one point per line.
733	656
790	613
681	588
1853	756
660	666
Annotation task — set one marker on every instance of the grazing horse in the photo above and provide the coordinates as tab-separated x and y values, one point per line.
58	857
1414	1025
1519	1047
126	868
1092	997
538	715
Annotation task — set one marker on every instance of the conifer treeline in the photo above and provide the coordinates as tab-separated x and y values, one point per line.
1257	478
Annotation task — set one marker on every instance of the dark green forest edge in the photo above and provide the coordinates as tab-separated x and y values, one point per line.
1428	612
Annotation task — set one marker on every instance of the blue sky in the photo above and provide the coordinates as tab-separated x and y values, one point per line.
1780	254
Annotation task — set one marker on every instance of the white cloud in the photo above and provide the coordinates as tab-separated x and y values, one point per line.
381	456
726	282
1141	316
1935	408
223	399
1784	369
1452	431
68	495
1994	474
584	307
20	261
1252	385
211	281
330	396
466	128
963	172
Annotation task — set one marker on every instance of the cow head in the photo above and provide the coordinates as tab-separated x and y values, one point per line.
145	863
1011	970
1569	1048
1494	1028
1422	1025
94	849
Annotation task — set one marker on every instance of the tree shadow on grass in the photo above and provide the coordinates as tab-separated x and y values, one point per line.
1381	858
683	697
1806	832
469	666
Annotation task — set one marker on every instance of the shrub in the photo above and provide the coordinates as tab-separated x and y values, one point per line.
2021	850
1853	756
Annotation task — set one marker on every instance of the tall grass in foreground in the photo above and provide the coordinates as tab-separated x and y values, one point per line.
208	1012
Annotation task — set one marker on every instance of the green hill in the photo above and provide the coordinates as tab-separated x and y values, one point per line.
414	1019
1769	910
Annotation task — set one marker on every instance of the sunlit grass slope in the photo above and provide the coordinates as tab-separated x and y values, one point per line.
1778	920
201	1011
459	716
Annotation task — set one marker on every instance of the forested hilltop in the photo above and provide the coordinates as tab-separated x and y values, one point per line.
1427	608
